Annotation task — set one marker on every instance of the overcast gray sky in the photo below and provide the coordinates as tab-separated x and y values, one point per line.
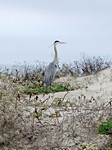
29	27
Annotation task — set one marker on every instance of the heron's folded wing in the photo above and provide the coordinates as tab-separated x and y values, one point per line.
50	73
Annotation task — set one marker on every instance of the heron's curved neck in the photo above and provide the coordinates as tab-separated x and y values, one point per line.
56	55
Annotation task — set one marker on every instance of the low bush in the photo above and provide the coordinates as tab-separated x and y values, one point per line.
35	88
106	127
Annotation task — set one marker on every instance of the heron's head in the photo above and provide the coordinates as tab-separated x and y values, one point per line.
58	42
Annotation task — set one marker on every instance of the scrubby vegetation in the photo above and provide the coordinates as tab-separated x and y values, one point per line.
35	117
86	66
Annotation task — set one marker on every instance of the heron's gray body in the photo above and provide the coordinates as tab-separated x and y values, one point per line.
50	73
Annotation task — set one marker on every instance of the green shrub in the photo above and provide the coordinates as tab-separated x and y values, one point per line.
57	87
106	127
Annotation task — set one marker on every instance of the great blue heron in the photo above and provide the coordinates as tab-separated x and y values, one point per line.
51	69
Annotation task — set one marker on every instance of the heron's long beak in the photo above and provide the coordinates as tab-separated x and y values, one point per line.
63	43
